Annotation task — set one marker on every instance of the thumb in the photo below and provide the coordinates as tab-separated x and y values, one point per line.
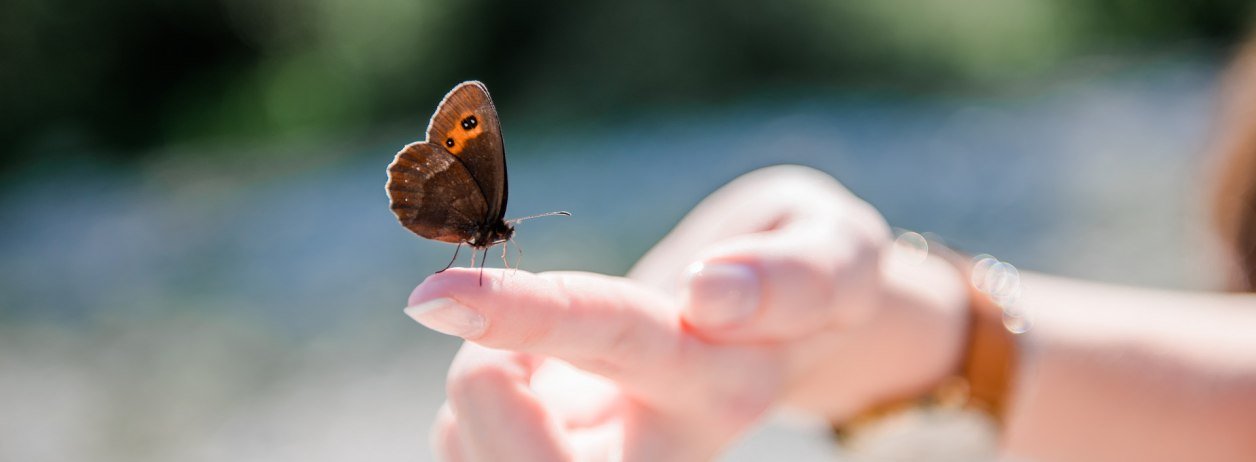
782	284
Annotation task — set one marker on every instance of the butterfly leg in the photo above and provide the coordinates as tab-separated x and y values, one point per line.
482	261
504	246
519	261
452	260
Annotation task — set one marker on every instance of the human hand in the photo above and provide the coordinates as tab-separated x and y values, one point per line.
787	255
584	367
673	371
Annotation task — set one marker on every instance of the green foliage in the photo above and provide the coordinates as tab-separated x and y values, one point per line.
119	77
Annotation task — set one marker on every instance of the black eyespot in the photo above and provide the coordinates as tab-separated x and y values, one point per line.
469	123
449	142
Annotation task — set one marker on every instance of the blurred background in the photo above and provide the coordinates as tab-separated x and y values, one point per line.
198	262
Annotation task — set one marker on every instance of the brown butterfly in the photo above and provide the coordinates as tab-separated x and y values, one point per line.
451	187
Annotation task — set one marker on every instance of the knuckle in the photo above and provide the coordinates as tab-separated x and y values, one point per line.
444	438
474	379
789	173
742	408
750	388
623	340
806	277
623	348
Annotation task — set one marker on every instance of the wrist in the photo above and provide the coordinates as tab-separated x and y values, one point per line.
988	347
931	300
912	342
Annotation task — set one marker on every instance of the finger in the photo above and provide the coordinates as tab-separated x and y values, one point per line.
756	202
606	325
445	440
576	395
498	416
807	276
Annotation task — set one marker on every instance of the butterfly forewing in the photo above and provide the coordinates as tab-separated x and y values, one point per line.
466	126
433	194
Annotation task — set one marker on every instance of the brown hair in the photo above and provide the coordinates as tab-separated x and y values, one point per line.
1236	144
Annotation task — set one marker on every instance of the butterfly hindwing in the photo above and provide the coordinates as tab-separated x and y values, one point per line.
433	194
466	125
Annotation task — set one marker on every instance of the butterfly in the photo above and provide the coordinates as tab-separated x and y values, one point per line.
451	187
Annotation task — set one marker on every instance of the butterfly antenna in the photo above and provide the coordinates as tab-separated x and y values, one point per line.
550	214
452	260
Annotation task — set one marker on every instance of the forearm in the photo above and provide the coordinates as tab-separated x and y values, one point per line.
1114	373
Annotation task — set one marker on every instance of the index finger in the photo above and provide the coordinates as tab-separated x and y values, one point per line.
606	325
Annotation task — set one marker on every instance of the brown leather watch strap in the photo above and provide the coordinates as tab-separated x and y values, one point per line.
990	359
992	351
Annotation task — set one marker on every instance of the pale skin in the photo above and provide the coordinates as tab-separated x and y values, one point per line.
783	289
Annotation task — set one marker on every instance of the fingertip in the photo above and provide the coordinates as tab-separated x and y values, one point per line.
720	294
449	316
469	281
455	303
440	284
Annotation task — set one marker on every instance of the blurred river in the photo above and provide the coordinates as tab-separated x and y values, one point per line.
251	310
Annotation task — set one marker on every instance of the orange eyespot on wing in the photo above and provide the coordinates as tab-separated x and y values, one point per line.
467	129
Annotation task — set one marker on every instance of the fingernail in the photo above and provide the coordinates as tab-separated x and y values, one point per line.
721	294
448	316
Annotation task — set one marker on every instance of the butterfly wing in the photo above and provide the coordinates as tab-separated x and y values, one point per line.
466	125
433	194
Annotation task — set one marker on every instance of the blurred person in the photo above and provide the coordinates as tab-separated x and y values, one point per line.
784	289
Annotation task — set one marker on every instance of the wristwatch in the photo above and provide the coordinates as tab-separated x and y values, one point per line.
987	371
